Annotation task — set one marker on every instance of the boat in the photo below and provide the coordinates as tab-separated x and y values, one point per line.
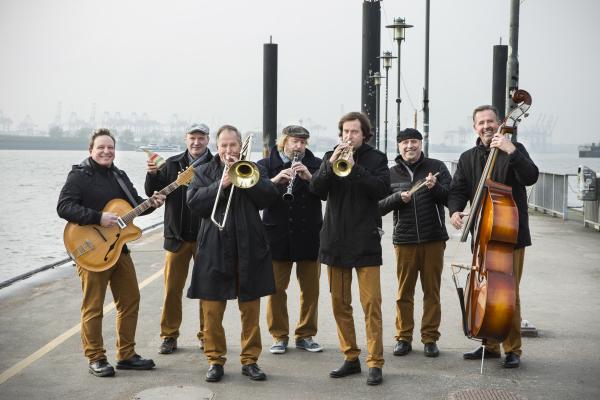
160	147
589	150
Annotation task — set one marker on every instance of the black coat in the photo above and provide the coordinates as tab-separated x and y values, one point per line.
516	170
422	219
235	262
350	236
293	227
180	224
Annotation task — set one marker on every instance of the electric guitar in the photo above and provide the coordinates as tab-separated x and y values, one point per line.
97	248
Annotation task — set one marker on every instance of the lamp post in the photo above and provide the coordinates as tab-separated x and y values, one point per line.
399	27
376	77
387	64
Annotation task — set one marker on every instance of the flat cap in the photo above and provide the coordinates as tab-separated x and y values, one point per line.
408	133
296	131
198	128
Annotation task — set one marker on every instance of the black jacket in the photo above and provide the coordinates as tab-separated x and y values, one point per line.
293	228
350	236
516	170
180	224
422	219
89	187
235	262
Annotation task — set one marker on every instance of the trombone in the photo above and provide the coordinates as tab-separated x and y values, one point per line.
341	166
242	174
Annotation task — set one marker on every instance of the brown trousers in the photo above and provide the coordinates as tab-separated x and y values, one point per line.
126	294
412	260
308	273
512	343
340	286
215	344
176	272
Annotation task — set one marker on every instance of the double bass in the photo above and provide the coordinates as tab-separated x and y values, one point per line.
488	299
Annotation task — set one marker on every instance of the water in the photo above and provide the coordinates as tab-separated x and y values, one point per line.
31	231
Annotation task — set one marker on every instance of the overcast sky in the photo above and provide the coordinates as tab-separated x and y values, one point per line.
203	59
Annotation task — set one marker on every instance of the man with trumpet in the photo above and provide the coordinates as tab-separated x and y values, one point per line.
233	258
293	223
420	188
353	178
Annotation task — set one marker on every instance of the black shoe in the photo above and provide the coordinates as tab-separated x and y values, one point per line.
101	368
254	372
215	373
476	354
402	348
512	360
347	368
135	362
375	376
168	346
431	350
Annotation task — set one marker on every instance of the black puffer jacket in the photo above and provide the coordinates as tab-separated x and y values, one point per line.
422	219
234	262
180	224
516	170
350	236
293	227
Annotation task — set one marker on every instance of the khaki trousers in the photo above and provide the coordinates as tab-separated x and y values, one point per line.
340	286
126	294
512	343
215	344
175	274
412	260
308	274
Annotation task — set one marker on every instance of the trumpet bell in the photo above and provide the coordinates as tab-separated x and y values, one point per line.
341	168
243	174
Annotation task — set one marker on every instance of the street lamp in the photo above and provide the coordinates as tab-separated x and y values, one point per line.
399	27
376	77
387	64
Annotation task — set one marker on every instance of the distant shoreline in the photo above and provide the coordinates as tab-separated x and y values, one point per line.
17	142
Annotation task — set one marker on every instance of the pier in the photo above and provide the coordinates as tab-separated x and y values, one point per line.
41	355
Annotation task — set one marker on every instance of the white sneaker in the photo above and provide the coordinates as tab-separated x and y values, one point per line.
309	345
279	347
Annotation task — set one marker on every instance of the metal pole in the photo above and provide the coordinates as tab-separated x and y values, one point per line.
371	42
512	73
426	88
499	79
398	99
377	119
269	96
385	123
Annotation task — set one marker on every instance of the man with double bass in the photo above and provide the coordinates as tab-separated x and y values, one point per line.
89	187
513	168
293	223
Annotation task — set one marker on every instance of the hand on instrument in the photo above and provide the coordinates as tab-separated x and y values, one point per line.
283	177
151	167
503	143
406	196
108	219
302	171
157	199
336	152
430	181
226	182
456	219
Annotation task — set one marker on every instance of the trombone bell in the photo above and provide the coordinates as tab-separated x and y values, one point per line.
243	174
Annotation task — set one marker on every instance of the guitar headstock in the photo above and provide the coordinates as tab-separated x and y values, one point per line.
185	177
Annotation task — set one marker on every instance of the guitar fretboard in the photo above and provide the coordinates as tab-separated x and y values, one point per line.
140	209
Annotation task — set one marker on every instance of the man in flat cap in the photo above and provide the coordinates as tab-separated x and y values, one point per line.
180	231
419	238
293	224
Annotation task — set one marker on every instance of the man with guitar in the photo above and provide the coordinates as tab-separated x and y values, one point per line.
420	191
89	187
513	168
180	231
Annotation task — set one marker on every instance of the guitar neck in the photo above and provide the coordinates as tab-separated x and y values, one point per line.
140	209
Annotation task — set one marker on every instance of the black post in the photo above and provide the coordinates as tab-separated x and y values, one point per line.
499	79
269	96
426	87
371	45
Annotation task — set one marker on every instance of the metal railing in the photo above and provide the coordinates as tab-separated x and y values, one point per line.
551	194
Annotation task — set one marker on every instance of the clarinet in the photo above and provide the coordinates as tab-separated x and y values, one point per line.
288	195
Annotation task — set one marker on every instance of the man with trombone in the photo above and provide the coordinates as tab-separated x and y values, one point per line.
233	258
353	178
293	224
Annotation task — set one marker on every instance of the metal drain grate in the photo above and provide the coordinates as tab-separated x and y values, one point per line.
484	394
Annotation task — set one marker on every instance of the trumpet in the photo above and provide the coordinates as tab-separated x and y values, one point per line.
288	195
341	166
242	174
